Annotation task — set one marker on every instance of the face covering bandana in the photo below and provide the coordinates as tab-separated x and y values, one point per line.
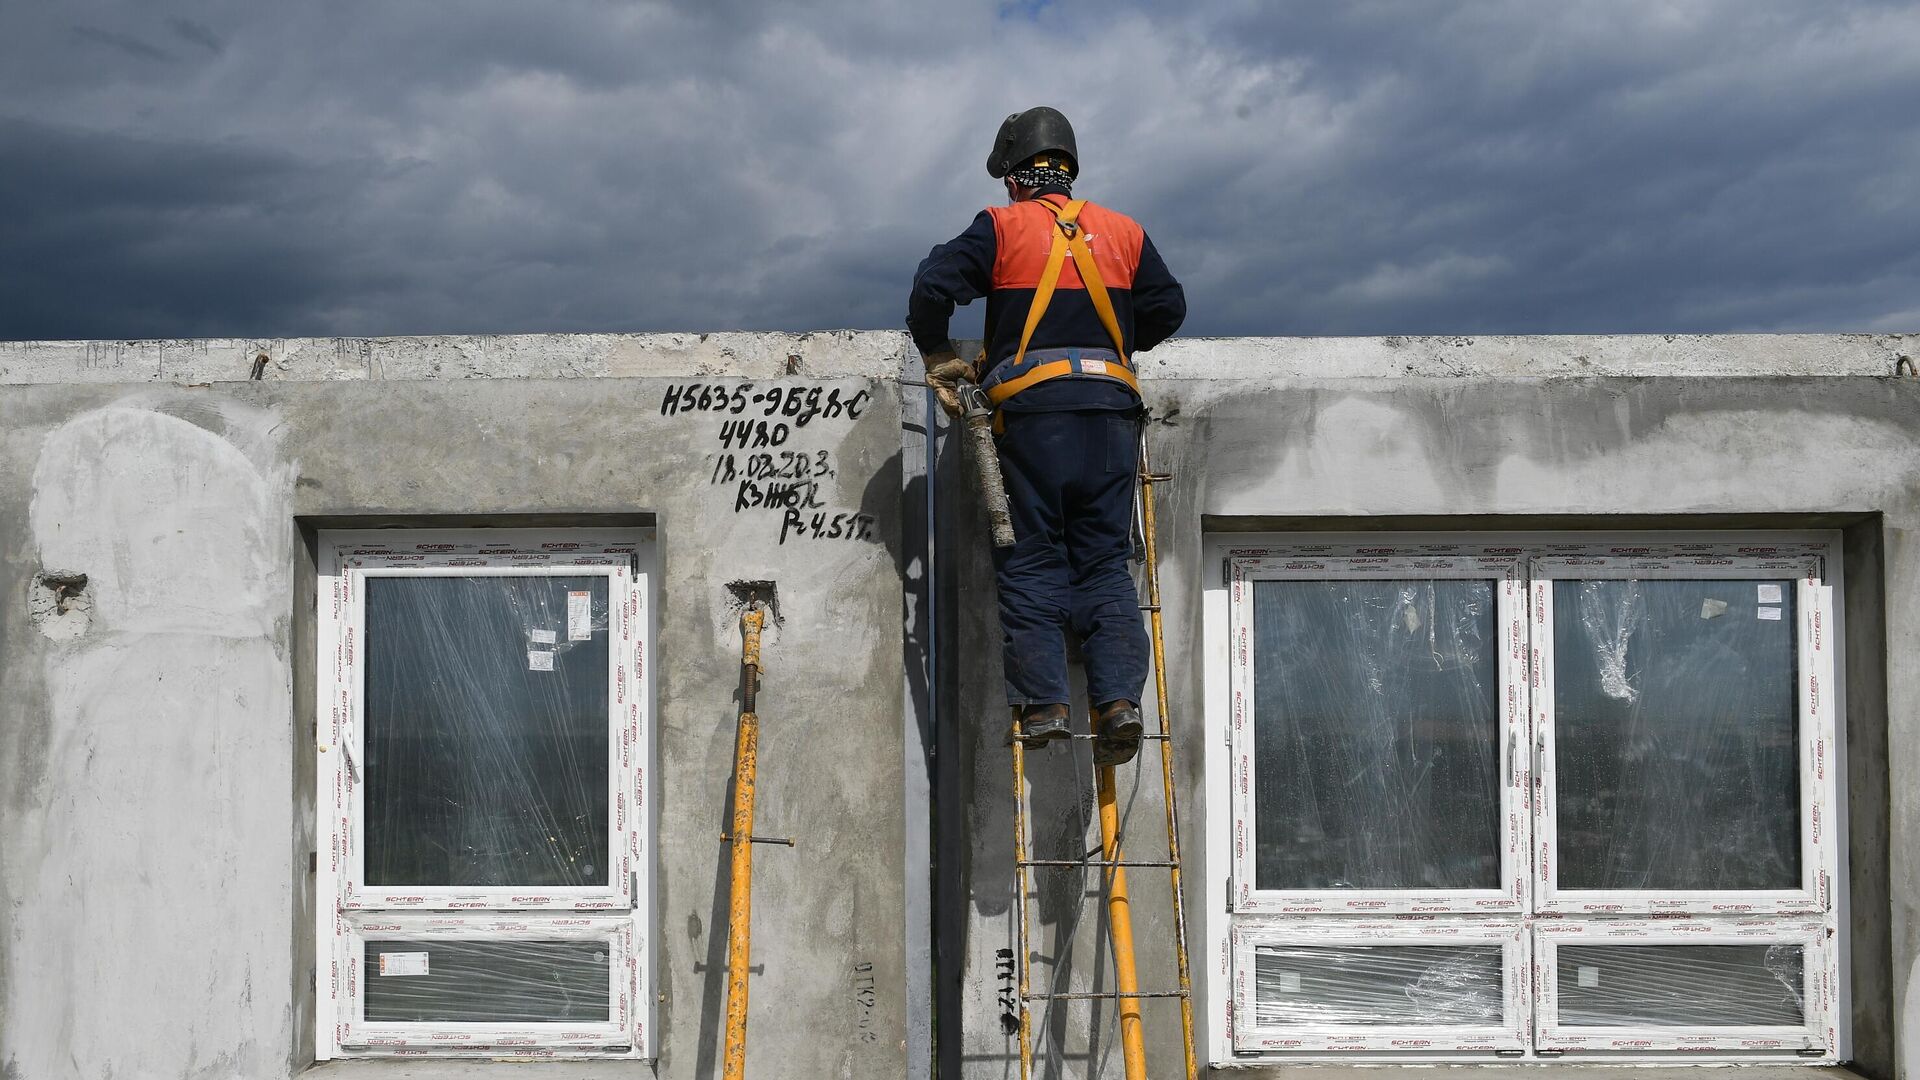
1041	177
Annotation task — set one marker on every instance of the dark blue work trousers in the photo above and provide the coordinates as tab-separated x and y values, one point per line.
1069	478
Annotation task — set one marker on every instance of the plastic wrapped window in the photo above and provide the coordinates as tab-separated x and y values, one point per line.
1643	986
487	734
1377	985
465	981
1675	725
1376	735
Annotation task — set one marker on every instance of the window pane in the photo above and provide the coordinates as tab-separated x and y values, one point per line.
487	982
1376	735
487	739
1682	985
1377	985
1674	729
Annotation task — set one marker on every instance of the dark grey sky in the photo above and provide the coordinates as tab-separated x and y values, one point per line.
265	169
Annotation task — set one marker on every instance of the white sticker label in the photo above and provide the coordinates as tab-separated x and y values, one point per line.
1287	982
1093	367
403	963
539	660
1770	592
1712	609
1771	614
1589	976
579	616
545	637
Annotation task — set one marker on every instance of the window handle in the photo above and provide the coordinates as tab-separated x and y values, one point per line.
346	750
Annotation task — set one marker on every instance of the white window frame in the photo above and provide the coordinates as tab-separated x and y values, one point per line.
622	911
1819	994
1509	615
1821	640
1813	609
1516	996
617	932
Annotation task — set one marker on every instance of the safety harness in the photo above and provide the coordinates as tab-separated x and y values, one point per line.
1068	239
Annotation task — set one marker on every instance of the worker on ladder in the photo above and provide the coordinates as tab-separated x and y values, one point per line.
1073	291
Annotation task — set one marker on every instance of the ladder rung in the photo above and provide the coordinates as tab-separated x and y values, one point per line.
1149	607
1157	478
1095	862
1108	996
1078	736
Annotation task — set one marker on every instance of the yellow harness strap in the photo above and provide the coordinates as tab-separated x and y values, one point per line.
1068	239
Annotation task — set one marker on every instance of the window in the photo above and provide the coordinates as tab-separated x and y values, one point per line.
1529	800
1363	984
1686	984
485	732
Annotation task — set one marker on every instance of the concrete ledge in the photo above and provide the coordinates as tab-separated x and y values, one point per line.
838	353
468	1068
887	354
463	1068
1545	356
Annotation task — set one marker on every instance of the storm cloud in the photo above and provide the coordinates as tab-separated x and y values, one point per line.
249	169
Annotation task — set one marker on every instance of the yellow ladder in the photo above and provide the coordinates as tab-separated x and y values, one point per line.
1126	992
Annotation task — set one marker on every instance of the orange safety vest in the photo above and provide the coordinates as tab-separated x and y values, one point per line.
1067	239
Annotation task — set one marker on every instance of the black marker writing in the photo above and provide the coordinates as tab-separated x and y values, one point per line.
847	525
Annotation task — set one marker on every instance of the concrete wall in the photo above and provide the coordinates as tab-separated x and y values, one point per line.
156	804
1604	434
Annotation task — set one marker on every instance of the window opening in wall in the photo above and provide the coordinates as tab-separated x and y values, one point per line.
1364	984
487	746
1744	984
1377	730
485	736
1522	800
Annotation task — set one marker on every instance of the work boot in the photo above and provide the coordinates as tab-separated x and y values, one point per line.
1042	724
1116	733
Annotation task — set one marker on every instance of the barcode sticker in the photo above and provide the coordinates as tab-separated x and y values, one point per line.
403	963
539	660
545	637
1771	614
579	616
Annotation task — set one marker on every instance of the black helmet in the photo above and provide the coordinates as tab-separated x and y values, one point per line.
1026	135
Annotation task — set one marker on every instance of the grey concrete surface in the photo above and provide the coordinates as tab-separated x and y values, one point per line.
1476	449
156	805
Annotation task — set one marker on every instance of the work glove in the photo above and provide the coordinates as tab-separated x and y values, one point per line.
945	372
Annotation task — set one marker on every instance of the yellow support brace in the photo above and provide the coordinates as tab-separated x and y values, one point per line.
746	764
1126	980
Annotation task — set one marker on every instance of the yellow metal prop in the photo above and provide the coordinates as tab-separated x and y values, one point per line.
746	764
